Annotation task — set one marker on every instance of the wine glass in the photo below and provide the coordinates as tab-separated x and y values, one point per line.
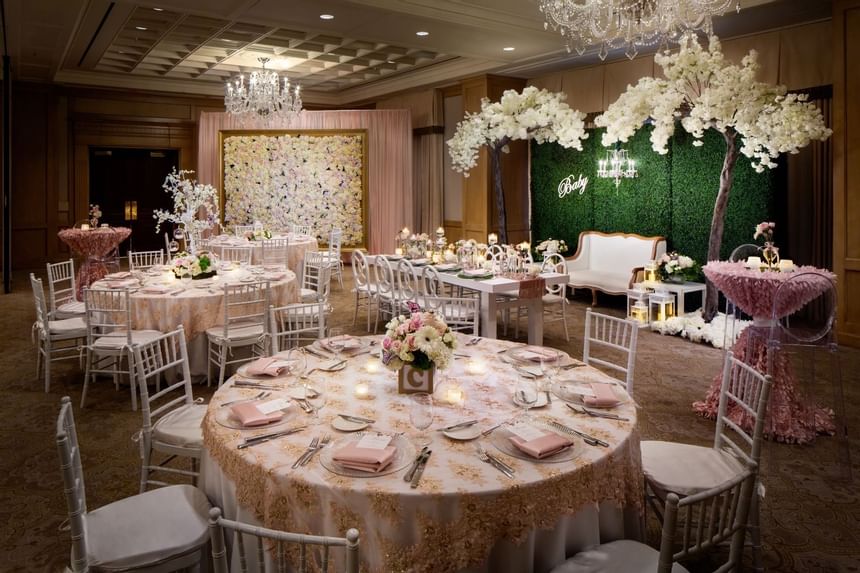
421	415
296	362
173	245
185	278
527	394
315	397
549	367
336	340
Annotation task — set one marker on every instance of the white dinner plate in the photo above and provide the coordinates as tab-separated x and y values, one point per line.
224	417
541	400
464	434
403	457
566	390
345	425
501	440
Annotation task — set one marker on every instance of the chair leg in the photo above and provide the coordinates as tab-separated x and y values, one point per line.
564	320
86	378
223	364
47	368
594	297
754	524
355	313
145	459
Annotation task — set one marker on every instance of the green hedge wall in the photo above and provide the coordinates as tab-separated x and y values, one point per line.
673	195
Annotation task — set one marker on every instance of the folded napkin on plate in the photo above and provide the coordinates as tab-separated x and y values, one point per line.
546	445
345	341
119	275
266	366
365	459
249	415
476	272
604	396
536	353
275	276
155	289
120	284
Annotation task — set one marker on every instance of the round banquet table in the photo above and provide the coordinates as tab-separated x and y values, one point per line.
94	245
789	418
196	308
299	244
465	515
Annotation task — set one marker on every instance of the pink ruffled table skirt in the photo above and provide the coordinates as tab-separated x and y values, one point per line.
94	245
789	418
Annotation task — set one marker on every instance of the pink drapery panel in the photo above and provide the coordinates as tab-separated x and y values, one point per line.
389	161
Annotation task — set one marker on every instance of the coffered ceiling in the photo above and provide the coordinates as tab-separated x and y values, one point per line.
369	47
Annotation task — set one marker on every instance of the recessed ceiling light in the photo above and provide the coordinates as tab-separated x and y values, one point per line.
159	9
326	16
390	61
422	33
509	48
141	28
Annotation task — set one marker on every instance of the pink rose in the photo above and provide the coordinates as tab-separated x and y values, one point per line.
386	343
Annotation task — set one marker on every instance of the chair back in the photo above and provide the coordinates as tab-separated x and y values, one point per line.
334	242
301	230
431	284
316	274
359	269
707	519
42	316
245	305
241	255
614	339
555	263
108	312
495	251
384	278
406	284
313	548
276	251
460	313
240	230
170	247
143	260
61	283
296	325
808	318
73	484
747	390
741	253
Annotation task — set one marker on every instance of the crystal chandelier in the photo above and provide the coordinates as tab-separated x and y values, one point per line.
617	165
264	97
633	24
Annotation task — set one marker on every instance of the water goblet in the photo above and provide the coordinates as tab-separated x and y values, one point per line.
336	340
549	367
315	397
527	394
421	415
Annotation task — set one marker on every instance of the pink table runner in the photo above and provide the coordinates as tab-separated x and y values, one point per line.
93	245
789	418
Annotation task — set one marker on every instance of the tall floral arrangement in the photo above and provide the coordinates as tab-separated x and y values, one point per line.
704	90
530	114
421	340
769	251
195	206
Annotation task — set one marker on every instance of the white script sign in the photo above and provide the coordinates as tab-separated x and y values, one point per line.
568	185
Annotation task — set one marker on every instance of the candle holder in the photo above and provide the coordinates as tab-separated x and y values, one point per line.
661	306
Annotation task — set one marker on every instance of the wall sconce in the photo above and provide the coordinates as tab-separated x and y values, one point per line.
131	210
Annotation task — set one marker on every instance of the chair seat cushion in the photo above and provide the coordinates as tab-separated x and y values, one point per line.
686	469
71	308
553	298
116	340
68	327
147	528
237	333
308	295
181	427
603	280
622	556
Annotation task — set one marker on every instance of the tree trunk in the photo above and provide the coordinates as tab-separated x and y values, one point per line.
496	161
719	219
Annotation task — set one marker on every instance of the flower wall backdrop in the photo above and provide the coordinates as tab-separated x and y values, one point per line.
282	179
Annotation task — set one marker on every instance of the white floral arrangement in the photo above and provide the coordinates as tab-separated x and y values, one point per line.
258	234
674	266
95	214
422	340
195	206
533	114
201	266
693	327
551	246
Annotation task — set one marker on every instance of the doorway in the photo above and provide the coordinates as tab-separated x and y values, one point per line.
126	184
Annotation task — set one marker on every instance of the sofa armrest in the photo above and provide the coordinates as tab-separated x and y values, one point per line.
637	275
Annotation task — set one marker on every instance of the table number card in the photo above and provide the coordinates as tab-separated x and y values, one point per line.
374	441
526	432
273	405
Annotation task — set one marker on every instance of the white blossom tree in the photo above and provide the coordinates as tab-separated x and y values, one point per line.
533	114
705	91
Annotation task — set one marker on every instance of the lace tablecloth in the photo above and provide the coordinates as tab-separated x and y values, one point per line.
790	418
93	245
463	507
299	244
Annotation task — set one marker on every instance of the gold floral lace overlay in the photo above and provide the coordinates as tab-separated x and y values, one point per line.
462	504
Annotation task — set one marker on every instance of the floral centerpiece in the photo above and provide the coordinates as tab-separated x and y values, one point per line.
200	266
551	246
415	346
676	268
769	251
95	215
195	206
258	234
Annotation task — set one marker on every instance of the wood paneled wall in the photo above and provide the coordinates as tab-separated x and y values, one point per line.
53	128
846	166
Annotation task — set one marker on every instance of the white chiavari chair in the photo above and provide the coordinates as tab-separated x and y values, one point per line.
110	338
162	530
304	230
333	254
297	325
385	283
365	291
144	260
276	541
460	313
62	291
240	230
276	251
171	417
55	339
245	325
241	255
316	277
610	342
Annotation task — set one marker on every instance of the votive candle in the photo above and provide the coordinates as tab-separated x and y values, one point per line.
362	390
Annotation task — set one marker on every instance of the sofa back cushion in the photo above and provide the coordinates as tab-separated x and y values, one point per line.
619	253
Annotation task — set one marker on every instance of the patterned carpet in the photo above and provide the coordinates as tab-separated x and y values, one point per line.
810	515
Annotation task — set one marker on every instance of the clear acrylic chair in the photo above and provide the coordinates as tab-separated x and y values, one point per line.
610	342
55	339
462	314
241	255
734	315
62	291
270	545
297	325
171	417
363	288
276	251
165	529
144	260
245	325
316	277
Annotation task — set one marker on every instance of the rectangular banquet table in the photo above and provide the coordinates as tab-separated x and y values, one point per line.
464	516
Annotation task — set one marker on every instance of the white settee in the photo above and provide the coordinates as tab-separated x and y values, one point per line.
609	262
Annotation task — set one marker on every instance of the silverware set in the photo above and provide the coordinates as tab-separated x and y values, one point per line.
473	341
416	470
260	396
316	445
590	440
595	414
356	419
332	368
507	470
255	440
251	384
459	426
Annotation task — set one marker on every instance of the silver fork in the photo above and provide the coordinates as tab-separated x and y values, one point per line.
259	396
322	443
311	447
499	465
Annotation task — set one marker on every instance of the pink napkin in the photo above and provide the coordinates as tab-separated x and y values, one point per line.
536	353
365	459
546	445
346	342
119	275
604	396
276	276
119	284
155	289
249	415
266	366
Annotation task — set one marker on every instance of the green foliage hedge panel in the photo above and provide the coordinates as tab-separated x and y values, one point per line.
673	195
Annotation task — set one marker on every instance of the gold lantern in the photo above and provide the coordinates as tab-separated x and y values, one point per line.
661	306
651	272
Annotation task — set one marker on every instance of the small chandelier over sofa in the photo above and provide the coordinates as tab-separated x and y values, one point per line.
264	97
617	165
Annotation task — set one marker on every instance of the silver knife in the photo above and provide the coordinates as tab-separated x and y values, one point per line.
352	418
420	470
408	475
590	440
317	353
500	464
458	426
262	439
